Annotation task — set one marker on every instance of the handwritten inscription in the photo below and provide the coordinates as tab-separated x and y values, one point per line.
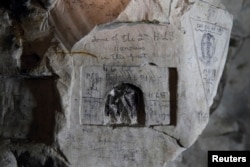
95	39
210	43
207	27
158	118
134	44
168	35
157	95
88	116
130	45
115	149
208	35
209	76
104	147
98	80
139	37
116	74
202	117
92	84
130	48
117	56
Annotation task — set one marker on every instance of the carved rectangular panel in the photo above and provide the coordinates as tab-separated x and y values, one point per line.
97	83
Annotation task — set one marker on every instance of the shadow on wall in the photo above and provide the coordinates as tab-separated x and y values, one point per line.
47	106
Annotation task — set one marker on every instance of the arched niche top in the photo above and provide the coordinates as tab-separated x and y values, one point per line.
125	106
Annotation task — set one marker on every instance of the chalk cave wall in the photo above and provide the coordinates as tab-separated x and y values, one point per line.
33	87
228	127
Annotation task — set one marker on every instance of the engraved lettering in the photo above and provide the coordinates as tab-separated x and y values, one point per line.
95	39
127	38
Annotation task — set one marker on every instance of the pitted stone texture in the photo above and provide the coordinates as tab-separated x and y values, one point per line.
195	45
144	68
173	51
229	123
10	48
16	99
7	159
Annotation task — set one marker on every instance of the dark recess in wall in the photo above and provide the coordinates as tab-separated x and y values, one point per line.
16	8
173	84
48	105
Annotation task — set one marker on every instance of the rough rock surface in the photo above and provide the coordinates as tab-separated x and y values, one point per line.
228	128
63	68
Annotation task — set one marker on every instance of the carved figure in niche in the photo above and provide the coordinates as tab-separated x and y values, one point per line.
208	49
125	105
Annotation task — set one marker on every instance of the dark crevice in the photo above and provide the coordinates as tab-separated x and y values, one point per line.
17	8
26	158
220	89
33	53
117	126
61	154
242	66
43	4
48	105
7	41
173	84
234	42
29	62
178	141
152	64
